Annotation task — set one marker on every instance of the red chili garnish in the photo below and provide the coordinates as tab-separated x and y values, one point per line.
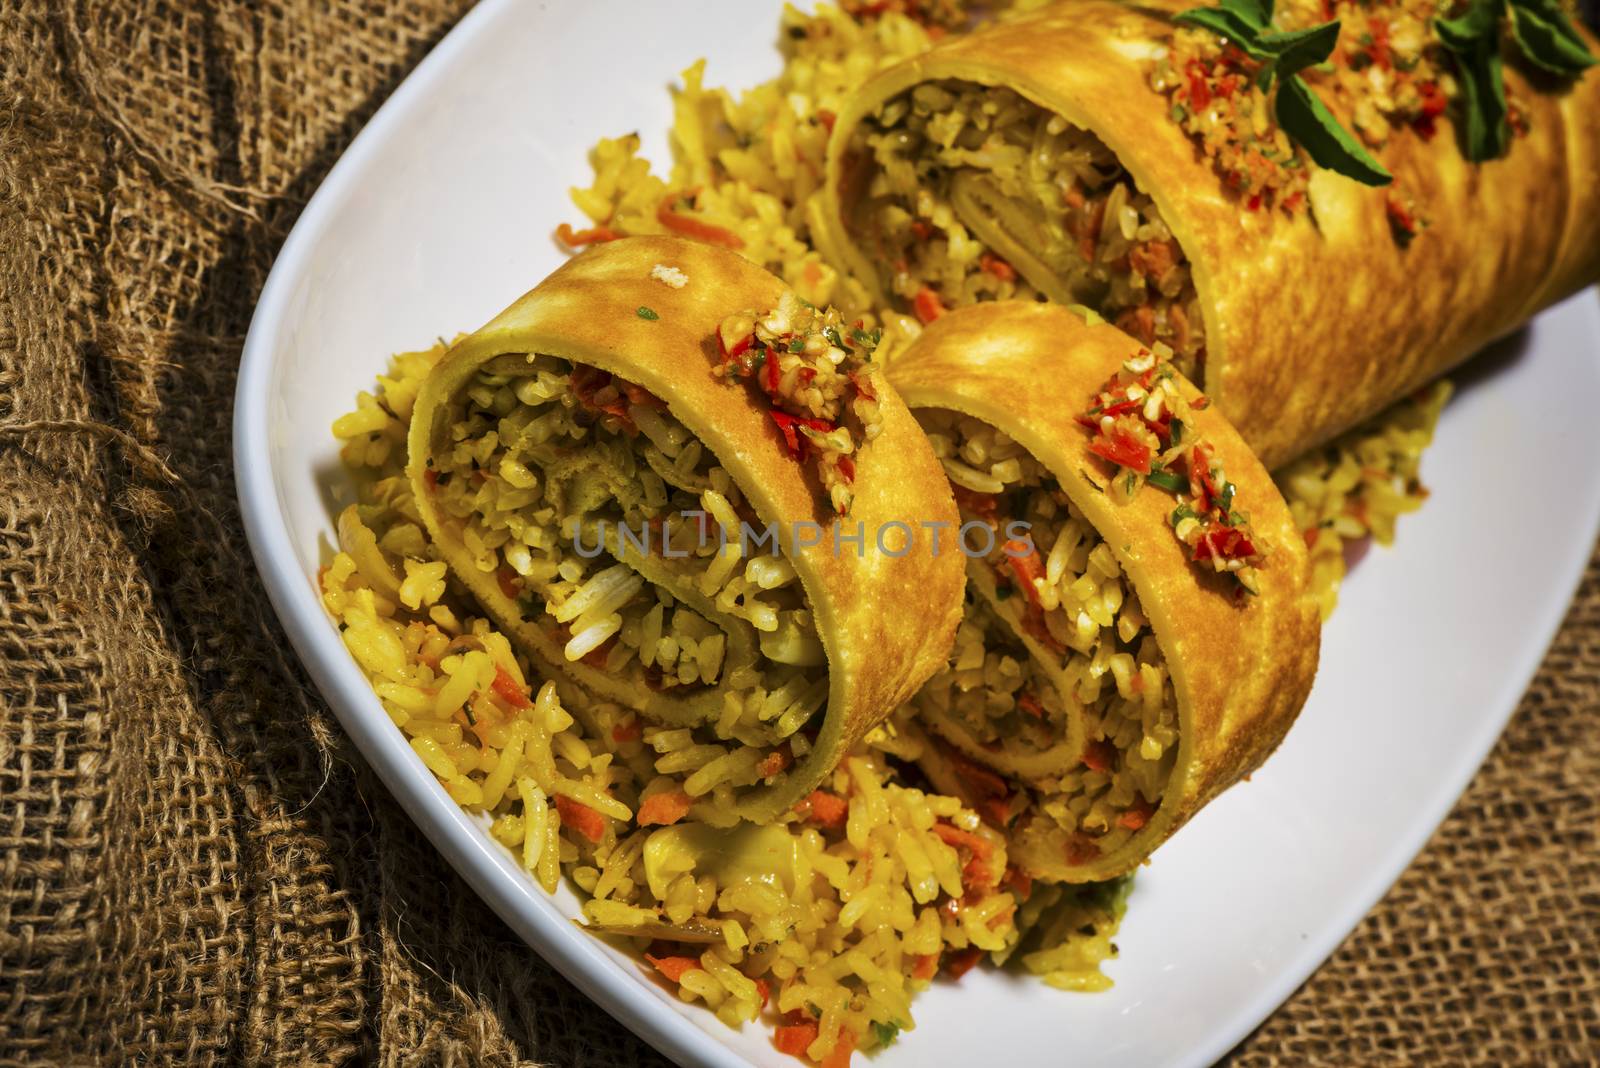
1022	557
628	730
1123	449
787	425
1199	94
860	382
431	477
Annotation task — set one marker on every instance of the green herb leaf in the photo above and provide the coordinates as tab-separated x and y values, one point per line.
1302	48
1168	480
1548	39
884	1034
797	344
1479	23
1257	13
1177	431
648	313
1307	120
1223	23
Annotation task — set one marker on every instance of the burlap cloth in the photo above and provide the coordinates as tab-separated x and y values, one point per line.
194	865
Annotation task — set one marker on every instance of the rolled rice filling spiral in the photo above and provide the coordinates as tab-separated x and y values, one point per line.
974	189
1054	659
617	532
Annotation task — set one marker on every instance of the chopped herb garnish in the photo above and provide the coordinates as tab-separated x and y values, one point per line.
1300	114
884	1034
797	345
648	313
1168	480
1225	497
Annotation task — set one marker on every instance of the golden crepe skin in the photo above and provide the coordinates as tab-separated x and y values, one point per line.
885	623
1316	321
1241	670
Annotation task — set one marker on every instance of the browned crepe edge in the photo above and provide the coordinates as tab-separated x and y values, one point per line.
886	623
1311	327
1241	670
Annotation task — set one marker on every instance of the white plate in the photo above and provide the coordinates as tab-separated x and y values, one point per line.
440	214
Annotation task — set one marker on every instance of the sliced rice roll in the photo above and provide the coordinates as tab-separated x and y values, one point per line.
1077	155
1140	633
648	470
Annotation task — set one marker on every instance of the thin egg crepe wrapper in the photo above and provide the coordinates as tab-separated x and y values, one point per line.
1241	667
885	623
1313	321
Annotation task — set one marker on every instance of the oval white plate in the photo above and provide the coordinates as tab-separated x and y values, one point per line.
440	214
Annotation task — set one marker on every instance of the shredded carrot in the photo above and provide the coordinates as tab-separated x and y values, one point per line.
961	962
581	818
795	1034
1018	880
763	991
951	835
431	477
694	229
673	967
1138	814
843	1047
664	808
927	306
1080	850
628	730
1030	704
508	690
1099	756
829	810
510	582
925	966
774	762
579	238
998	267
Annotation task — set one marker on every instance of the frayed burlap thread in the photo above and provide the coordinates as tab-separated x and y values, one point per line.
194	866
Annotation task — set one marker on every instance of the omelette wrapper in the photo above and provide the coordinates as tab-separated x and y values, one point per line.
1312	320
645	527
1211	676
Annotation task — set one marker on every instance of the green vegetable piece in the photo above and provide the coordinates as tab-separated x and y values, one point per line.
1168	480
1223	23
884	1034
1257	13
1302	48
648	313
1548	39
1307	120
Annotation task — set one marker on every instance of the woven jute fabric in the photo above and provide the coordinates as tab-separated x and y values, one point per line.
194	865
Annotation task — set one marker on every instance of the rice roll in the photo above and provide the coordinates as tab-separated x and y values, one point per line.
685	492
1098	153
1140	632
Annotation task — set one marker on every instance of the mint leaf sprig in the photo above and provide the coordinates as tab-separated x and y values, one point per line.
1300	114
1544	35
